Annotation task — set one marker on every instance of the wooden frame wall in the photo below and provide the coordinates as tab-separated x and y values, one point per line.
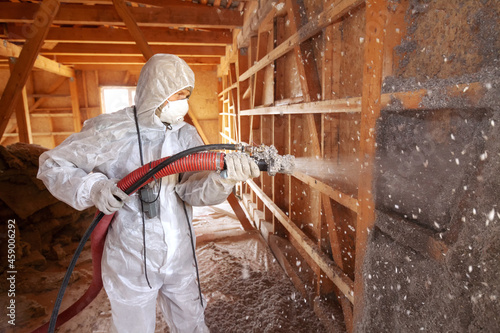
341	58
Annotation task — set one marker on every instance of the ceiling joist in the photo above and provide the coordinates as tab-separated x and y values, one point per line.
200	17
122	36
131	60
133	50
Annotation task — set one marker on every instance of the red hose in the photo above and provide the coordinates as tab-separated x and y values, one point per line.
211	161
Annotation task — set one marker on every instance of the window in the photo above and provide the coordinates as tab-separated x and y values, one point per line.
117	98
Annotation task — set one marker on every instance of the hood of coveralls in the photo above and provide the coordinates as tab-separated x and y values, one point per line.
161	77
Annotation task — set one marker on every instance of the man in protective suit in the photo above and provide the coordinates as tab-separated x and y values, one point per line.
83	172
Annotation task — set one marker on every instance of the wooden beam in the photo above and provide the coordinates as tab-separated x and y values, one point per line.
173	16
231	87
154	36
196	124
253	22
409	100
133	29
376	19
11	50
227	137
332	271
347	105
337	257
131	50
23	115
327	17
127	60
304	54
342	198
44	16
75	107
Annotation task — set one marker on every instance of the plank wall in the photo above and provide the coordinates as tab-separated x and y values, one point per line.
310	219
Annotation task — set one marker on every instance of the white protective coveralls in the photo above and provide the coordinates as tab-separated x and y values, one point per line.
107	148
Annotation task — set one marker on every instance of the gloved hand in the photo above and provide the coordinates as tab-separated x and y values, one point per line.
241	167
107	197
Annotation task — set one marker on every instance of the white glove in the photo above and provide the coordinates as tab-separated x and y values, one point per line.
241	167
107	197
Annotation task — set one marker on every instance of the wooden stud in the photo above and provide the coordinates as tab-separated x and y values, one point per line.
75	107
132	27
376	18
43	19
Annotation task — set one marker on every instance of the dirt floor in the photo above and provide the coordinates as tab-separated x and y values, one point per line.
246	289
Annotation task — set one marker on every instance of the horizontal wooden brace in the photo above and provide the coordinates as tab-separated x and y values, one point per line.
343	199
52	115
11	50
231	87
39	134
346	105
410	100
332	271
48	95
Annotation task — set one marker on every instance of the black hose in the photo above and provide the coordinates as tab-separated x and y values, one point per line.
97	219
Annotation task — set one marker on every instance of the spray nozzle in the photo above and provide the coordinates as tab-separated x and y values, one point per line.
269	160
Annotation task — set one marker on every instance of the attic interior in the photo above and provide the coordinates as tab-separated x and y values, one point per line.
390	221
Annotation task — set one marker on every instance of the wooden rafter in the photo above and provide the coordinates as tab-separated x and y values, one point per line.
11	50
23	115
173	16
17	80
133	29
158	36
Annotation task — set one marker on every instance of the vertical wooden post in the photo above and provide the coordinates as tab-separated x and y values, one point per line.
241	67
22	113
75	107
24	65
376	18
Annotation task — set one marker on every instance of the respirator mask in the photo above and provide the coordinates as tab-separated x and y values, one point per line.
174	111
